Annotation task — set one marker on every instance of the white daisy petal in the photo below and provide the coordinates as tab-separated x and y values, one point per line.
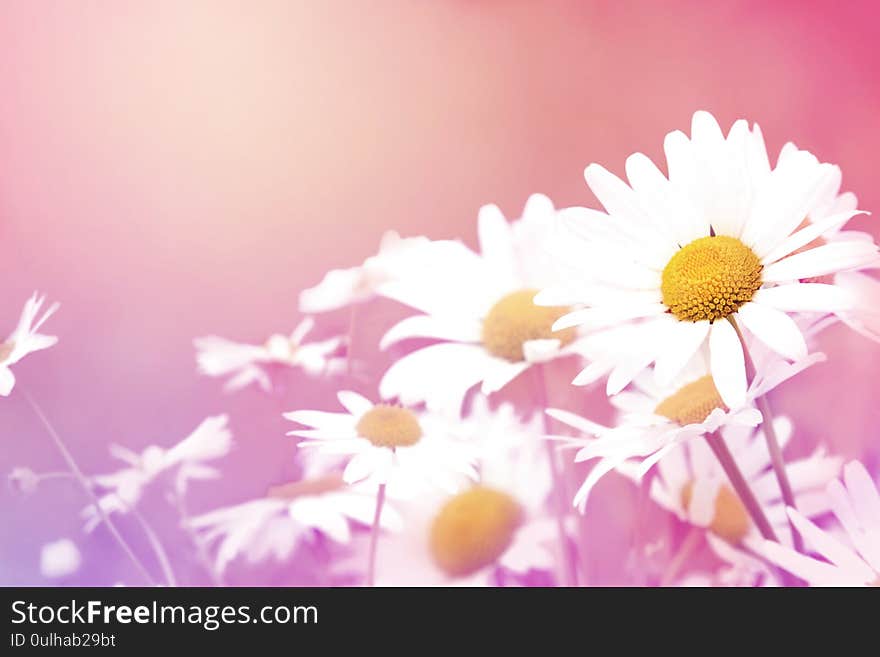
806	297
821	260
460	329
354	403
817	573
830	548
680	347
808	234
775	329
727	364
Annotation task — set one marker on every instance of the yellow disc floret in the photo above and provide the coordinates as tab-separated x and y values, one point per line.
473	529
385	425
692	403
710	278
515	319
730	520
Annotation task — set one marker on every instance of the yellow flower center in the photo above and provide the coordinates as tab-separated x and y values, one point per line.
385	425
692	403
515	319
730	520
316	486
473	529
710	278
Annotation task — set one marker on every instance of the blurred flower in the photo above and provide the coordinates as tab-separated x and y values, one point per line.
388	444
655	419
24	340
480	306
344	287
122	489
273	526
498	524
23	481
857	507
691	484
864	317
247	363
716	240
59	559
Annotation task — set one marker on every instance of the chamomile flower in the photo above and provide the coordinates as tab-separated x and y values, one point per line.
691	484
864	316
853	562
345	287
497	525
655	419
120	491
716	240
480	306
24	340
386	444
275	525
249	363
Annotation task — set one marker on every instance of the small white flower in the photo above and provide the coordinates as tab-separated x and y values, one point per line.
23	480
387	444
344	287
24	340
716	240
655	419
248	363
855	562
275	525
122	490
59	559
480	306
692	484
499	524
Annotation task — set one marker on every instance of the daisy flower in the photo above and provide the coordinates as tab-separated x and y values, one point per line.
497	525
249	363
854	562
59	559
24	340
274	526
479	305
716	240
864	317
122	490
345	287
654	419
691	484
387	444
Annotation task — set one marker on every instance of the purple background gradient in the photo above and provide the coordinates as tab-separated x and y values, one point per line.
172	169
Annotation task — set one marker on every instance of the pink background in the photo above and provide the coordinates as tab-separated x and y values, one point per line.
171	169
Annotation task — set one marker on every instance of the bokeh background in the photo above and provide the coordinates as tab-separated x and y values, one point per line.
171	169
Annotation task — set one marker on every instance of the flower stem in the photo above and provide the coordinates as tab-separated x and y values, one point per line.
158	548
201	550
773	448
569	570
84	482
684	552
741	486
374	536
